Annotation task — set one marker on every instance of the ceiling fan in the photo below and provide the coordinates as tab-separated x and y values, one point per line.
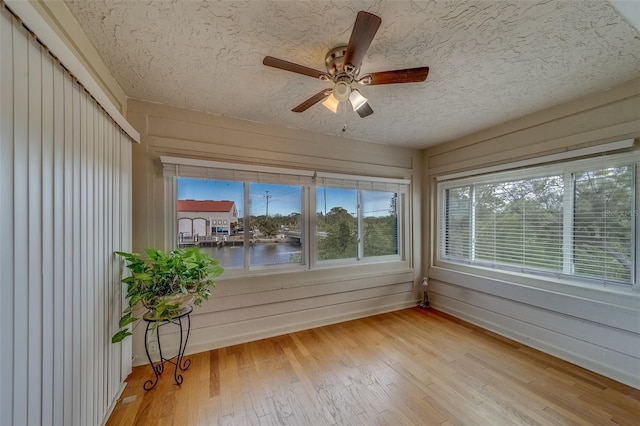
343	69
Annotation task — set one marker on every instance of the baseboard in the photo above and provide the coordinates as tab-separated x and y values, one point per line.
291	327
114	401
589	364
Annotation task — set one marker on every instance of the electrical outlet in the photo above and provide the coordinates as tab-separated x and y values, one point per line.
153	347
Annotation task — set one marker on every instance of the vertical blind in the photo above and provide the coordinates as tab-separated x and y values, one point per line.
65	179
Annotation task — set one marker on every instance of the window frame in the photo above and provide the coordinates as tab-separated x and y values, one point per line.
248	268
566	168
360	258
202	169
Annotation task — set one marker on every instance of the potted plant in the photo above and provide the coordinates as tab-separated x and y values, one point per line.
166	282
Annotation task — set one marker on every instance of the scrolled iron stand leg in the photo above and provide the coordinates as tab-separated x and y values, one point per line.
157	369
182	364
185	363
160	366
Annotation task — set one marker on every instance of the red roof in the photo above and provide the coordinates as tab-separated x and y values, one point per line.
205	206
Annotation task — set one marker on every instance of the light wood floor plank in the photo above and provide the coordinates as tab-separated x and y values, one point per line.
410	367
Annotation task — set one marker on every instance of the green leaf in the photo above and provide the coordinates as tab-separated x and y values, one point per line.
142	276
129	280
126	320
120	335
133	300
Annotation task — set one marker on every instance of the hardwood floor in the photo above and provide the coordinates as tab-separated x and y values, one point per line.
410	367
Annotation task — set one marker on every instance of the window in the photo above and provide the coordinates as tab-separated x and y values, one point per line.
356	224
274	217
358	220
254	218
577	219
603	223
203	198
380	223
336	223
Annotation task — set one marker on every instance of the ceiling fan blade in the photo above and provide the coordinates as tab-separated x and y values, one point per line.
270	61
364	111
410	75
363	32
312	100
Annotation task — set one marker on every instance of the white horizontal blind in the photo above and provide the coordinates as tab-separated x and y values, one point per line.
362	182
519	223
577	218
603	223
456	223
185	167
174	167
65	179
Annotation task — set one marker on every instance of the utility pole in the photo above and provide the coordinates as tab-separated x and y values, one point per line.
267	196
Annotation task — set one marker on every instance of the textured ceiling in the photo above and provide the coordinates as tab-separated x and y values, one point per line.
490	61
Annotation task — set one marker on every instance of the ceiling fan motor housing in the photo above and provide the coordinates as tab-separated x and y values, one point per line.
334	60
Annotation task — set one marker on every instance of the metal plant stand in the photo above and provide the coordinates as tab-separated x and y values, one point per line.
180	363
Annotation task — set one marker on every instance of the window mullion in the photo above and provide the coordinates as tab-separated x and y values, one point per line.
402	224
246	223
472	218
635	225
360	227
309	224
171	195
568	223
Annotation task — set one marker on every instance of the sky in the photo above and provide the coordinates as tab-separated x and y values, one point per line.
282	199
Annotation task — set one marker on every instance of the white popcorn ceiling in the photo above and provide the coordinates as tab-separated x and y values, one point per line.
490	61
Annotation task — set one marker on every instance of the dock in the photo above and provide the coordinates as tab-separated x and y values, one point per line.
213	241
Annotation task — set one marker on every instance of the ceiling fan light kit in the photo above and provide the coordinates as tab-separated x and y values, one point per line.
331	103
342	89
357	100
343	69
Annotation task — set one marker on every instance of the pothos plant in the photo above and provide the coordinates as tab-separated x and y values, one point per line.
154	279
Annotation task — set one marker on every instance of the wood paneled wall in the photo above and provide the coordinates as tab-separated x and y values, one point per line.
65	189
597	328
268	304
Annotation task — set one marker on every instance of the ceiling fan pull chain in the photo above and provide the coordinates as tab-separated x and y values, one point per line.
344	126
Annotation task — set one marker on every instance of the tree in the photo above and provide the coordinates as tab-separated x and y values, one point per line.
341	235
520	222
268	227
380	236
603	222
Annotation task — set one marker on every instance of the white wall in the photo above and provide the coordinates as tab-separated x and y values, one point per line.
598	328
249	308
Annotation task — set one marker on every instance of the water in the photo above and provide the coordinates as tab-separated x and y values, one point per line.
259	254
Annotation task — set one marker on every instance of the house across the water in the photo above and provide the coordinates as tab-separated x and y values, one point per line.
206	217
